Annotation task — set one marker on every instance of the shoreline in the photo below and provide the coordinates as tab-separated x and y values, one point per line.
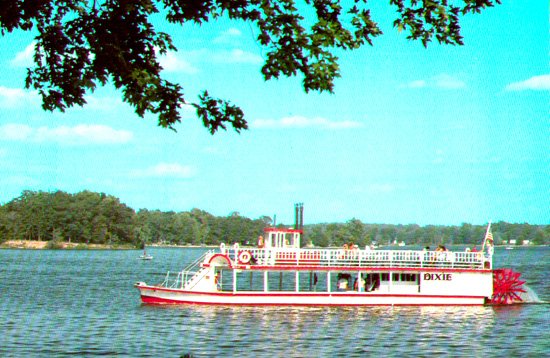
45	245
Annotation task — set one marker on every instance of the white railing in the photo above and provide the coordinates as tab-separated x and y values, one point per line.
362	258
185	277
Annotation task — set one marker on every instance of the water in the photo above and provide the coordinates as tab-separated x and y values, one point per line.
82	303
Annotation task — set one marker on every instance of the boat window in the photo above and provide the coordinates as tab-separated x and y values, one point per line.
408	277
249	281
402	277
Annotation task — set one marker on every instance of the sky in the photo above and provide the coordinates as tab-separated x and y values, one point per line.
438	136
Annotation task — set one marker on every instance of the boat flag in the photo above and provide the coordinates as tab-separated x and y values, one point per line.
488	240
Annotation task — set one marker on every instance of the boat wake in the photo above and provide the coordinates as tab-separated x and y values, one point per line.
530	296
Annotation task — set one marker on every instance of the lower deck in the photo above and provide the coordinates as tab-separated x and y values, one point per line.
396	281
162	295
317	281
226	286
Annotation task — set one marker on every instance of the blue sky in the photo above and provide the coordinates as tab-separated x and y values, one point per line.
442	135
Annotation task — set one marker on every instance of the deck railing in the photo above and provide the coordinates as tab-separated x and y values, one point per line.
188	275
362	258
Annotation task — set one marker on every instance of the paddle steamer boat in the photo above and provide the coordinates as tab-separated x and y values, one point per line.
280	272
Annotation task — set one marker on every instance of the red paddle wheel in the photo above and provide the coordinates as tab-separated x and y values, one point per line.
506	287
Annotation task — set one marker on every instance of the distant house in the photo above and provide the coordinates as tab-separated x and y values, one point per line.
526	242
512	242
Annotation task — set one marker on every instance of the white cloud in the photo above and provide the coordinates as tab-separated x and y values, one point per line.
78	135
228	36
189	61
25	57
541	83
448	82
15	132
417	84
241	56
443	81
304	122
439	157
166	170
233	32
13	97
236	56
174	62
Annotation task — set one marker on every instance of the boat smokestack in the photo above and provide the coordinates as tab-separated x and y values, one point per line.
299	216
295	216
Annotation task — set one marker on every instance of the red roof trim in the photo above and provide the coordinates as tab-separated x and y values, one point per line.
286	231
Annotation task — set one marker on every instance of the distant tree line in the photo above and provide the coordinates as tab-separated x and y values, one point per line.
97	218
363	234
86	217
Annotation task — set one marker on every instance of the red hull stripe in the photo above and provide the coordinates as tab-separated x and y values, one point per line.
291	294
162	301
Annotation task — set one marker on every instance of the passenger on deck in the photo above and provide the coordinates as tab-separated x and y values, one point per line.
260	242
369	283
360	287
343	253
343	282
441	253
376	282
428	256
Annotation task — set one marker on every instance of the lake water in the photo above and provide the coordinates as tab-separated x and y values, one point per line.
83	303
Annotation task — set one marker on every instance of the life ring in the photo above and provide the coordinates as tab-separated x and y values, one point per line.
244	257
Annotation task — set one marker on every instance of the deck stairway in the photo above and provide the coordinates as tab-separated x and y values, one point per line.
189	276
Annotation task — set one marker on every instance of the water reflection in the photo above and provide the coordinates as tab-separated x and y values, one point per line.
355	330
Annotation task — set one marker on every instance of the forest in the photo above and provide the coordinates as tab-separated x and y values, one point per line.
97	218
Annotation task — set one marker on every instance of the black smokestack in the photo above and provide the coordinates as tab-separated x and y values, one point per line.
299	216
296	210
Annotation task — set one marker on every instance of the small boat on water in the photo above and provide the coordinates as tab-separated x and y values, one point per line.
280	272
145	256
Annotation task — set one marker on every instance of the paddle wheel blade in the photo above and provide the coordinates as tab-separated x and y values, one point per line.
507	287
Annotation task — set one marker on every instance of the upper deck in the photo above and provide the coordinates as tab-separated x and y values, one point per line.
281	250
356	259
281	247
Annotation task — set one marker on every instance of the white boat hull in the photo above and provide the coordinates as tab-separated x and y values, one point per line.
162	295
